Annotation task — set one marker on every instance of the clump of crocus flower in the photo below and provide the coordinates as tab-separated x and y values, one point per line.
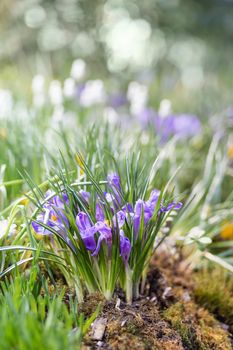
110	238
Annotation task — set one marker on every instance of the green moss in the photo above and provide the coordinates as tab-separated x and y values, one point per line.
174	315
197	328
214	291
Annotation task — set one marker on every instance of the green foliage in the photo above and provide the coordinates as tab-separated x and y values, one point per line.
30	320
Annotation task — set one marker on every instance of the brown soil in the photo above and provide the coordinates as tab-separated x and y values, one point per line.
166	317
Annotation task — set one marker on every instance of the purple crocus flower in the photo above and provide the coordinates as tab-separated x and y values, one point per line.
145	210
85	195
141	210
88	231
105	235
99	212
125	247
114	181
52	215
152	201
170	206
114	197
119	219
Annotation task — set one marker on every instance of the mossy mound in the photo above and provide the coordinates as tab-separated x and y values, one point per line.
214	291
197	328
169	316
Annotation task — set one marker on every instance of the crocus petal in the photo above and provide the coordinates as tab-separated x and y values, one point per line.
87	231
89	239
127	208
114	183
119	219
104	229
170	206
139	206
105	234
83	221
99	212
114	180
100	239
59	203
86	195
125	247
42	217
152	201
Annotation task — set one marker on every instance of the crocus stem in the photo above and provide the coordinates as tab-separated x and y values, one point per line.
136	290
79	291
129	289
108	294
144	274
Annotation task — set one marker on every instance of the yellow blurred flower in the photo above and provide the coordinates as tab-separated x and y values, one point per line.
227	231
3	133
79	160
24	201
230	152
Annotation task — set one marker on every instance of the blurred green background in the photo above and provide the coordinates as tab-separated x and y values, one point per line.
184	48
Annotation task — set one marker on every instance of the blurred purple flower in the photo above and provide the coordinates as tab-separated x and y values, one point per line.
78	90
186	125
146	117
183	126
117	100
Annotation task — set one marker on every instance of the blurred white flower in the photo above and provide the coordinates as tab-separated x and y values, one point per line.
4	226
39	100
145	139
93	93
78	69
38	84
57	116
6	103
3	192
197	235
165	108
55	93
69	88
137	94
127	40
110	115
